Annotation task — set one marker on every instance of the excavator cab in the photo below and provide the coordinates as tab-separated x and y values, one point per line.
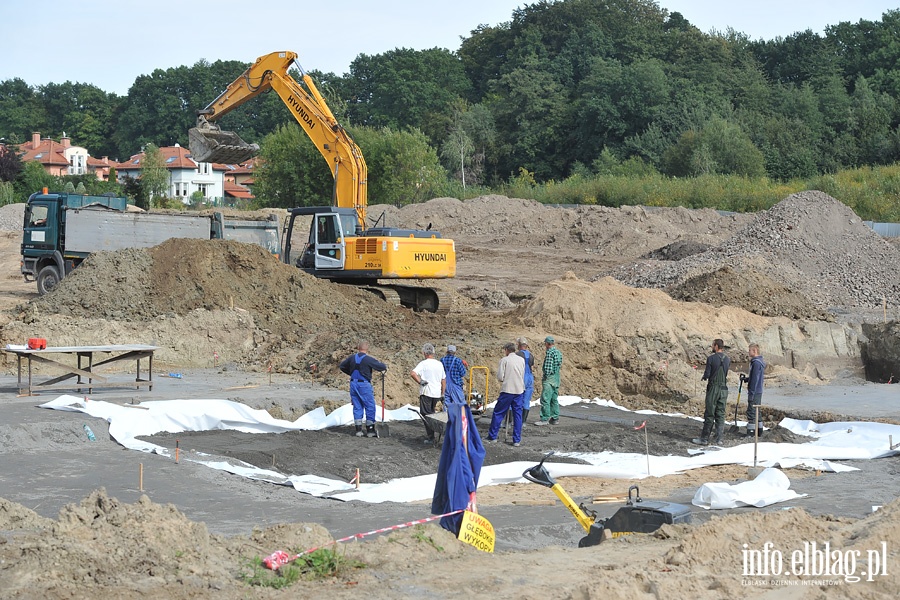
329	243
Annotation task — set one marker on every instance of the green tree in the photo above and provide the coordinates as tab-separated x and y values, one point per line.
721	147
10	165
21	111
34	178
458	150
403	167
405	88
291	171
84	112
135	191
8	193
154	175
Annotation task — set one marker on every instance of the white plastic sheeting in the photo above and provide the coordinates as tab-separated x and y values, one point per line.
770	487
833	441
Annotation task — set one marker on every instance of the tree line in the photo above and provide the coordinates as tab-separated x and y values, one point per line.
568	88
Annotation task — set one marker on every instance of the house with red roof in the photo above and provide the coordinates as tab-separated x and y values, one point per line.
186	176
62	158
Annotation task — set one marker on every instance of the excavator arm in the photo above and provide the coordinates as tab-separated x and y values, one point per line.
208	143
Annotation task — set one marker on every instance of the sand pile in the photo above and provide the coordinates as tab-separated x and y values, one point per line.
105	548
808	243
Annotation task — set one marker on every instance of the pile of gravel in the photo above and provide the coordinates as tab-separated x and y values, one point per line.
809	242
12	216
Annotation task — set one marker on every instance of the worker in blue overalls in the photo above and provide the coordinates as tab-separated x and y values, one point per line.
359	367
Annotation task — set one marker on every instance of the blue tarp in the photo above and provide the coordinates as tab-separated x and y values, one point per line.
462	456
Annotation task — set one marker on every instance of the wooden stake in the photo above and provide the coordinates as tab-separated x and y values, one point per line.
647	445
357	478
176	452
141	478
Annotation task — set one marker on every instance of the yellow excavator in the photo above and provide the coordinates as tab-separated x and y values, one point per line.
341	246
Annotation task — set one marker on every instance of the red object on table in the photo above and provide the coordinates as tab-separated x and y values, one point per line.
37	343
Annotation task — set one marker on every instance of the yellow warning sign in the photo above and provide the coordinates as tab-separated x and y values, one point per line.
477	531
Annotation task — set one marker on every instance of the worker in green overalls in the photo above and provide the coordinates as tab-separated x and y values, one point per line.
715	376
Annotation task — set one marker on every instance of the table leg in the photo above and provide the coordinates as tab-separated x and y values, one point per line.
29	375
150	373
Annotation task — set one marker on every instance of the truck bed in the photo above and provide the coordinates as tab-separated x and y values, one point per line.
94	229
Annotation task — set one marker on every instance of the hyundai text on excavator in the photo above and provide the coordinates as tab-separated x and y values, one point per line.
341	247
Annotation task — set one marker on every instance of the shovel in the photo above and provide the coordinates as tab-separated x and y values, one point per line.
735	428
382	429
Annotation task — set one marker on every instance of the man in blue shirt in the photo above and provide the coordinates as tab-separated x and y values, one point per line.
525	353
359	367
754	389
456	370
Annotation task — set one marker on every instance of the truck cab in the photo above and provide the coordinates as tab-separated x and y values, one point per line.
43	235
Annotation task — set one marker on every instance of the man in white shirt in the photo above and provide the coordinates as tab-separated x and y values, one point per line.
432	380
511	374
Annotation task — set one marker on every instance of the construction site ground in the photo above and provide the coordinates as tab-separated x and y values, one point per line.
634	296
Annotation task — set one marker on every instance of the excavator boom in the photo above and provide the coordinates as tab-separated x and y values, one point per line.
340	246
208	143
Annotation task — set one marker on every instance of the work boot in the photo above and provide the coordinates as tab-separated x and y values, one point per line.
524	416
359	431
703	440
370	430
720	434
554	421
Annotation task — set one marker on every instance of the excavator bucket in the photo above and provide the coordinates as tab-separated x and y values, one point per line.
210	144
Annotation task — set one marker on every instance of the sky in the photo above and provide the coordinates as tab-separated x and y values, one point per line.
109	44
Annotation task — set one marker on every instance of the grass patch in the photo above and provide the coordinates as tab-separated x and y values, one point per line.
321	564
419	535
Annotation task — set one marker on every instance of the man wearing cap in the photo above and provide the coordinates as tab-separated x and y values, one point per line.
525	353
359	367
455	369
550	383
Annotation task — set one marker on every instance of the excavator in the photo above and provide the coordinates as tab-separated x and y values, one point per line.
341	245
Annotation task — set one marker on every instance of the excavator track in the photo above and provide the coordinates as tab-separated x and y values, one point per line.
385	293
420	299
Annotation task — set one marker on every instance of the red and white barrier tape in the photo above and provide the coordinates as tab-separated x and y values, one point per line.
280	557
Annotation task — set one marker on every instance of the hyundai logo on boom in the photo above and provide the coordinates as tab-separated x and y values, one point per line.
298	108
430	257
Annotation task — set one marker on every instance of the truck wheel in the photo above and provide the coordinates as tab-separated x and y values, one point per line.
47	279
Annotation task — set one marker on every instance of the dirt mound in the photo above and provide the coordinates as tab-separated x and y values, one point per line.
677	250
16	516
628	231
12	216
102	547
748	289
197	298
808	242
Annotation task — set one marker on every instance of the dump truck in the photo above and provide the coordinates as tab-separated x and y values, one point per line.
342	246
61	230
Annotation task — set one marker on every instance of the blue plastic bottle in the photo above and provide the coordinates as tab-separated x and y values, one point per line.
89	433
